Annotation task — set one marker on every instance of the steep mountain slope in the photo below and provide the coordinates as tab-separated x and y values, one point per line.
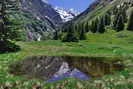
40	19
41	10
98	8
102	15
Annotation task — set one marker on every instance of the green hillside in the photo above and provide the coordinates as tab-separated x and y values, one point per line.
100	16
100	10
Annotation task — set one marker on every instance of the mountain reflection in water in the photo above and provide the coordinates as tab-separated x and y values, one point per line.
66	72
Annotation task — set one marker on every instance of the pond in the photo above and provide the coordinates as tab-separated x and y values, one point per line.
53	68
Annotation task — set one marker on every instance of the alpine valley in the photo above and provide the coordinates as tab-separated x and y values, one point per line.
50	47
42	20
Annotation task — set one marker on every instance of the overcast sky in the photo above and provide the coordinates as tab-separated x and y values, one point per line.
78	5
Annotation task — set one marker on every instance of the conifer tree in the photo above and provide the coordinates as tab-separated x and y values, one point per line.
76	27
107	19
70	36
115	20
87	27
120	19
94	25
56	37
8	26
120	24
124	14
82	35
130	22
101	26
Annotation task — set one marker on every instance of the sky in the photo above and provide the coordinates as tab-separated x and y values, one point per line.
78	5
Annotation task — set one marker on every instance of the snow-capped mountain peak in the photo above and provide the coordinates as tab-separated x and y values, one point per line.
66	15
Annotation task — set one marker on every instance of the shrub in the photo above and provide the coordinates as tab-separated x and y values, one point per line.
7	46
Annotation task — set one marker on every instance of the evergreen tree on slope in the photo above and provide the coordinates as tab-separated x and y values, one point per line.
120	24
130	22
8	26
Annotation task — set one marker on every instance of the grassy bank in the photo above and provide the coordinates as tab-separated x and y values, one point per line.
109	45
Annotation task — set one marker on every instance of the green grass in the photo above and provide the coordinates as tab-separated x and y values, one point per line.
109	44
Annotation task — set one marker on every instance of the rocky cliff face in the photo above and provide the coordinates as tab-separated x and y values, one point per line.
41	10
40	19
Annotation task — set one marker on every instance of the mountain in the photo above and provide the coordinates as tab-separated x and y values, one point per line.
99	8
41	19
41	10
100	16
66	15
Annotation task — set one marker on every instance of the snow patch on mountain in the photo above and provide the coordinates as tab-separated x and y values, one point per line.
66	15
45	1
